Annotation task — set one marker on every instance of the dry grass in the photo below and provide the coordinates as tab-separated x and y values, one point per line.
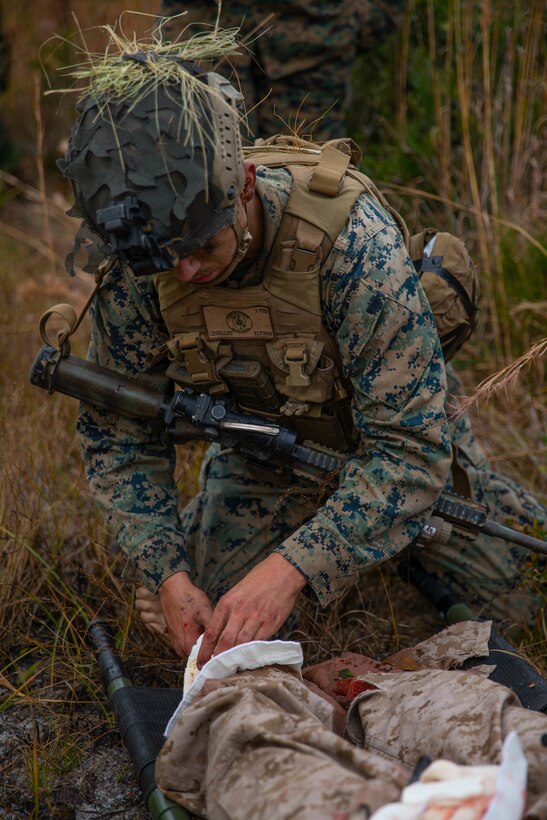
57	568
112	74
482	159
505	379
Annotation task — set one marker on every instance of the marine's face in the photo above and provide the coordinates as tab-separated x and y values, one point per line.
210	261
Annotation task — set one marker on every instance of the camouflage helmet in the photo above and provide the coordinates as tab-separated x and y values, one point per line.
153	178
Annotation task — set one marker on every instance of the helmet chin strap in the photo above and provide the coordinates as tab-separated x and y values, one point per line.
244	239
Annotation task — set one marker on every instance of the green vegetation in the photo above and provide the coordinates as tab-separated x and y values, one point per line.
453	129
448	114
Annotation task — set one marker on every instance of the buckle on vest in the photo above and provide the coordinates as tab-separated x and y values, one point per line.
200	369
156	355
202	361
296	356
294	407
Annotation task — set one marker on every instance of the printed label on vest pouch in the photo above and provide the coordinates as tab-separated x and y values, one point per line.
238	323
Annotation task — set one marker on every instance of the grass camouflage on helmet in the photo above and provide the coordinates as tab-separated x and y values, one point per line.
155	155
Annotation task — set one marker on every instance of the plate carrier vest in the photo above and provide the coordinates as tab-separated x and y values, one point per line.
265	346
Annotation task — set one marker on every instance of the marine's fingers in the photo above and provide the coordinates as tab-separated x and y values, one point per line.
190	635
211	635
146	600
250	631
266	630
238	630
145	607
150	612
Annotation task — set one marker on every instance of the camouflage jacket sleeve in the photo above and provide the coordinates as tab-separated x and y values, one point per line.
129	464
375	306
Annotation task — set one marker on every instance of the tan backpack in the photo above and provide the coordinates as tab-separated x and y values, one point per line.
450	281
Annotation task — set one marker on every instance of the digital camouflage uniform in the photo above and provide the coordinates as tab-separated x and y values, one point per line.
264	743
487	572
298	70
374	306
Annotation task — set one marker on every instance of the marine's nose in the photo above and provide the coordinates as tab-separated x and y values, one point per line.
187	268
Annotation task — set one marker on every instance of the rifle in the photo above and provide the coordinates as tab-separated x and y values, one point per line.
142	715
187	415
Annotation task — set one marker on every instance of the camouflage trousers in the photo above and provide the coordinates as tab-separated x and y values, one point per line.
295	72
238	518
487	573
260	743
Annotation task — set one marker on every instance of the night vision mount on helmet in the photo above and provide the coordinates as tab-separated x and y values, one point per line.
154	179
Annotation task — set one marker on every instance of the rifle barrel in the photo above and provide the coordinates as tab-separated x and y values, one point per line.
507	534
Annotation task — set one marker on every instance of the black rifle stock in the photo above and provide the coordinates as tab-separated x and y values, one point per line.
187	415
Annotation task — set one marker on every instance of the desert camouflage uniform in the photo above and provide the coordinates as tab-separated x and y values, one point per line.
261	744
373	304
299	69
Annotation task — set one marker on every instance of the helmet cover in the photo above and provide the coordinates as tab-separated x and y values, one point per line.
155	177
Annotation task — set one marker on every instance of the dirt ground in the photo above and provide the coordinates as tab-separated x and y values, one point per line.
101	785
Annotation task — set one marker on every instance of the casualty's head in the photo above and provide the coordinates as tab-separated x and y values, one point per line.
155	159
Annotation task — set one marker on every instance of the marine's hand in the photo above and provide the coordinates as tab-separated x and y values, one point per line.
255	608
187	611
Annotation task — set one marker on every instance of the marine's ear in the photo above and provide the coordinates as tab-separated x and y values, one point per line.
249	187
